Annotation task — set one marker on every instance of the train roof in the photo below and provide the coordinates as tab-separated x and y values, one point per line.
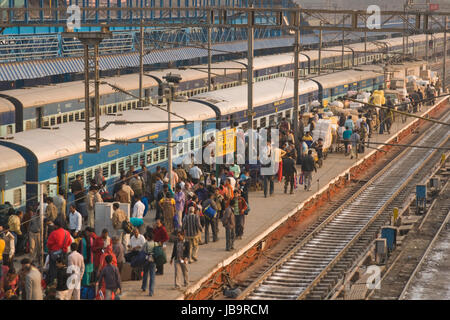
10	159
69	138
235	99
67	91
74	90
38	96
343	77
6	105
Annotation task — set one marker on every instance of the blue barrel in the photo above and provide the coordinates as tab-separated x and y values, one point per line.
390	234
421	192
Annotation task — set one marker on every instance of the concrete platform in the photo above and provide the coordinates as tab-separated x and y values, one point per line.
265	215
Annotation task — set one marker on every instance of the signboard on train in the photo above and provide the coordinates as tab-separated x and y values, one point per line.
225	142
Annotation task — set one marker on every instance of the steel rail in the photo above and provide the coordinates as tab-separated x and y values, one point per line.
276	266
401	254
363	230
430	246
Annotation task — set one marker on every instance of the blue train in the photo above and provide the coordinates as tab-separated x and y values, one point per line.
39	107
58	155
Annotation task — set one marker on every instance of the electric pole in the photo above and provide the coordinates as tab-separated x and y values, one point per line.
296	24
444	67
210	17
250	53
141	64
320	48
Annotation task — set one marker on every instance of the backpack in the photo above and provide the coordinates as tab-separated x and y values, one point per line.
127	226
159	255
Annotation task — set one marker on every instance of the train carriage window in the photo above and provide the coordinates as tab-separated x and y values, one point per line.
65	118
17	198
129	106
134	104
70	117
280	116
128	163
135	161
46	122
162	153
114	108
142	159
271	119
58	119
88	175
77	116
192	146
82	115
149	157
120	107
155	155
113	168
71	179
52	121
255	124
262	122
106	171
121	167
109	109
288	114
244	126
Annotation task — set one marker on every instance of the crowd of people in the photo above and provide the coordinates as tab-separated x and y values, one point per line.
81	264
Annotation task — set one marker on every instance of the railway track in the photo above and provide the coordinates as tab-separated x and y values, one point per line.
420	241
317	264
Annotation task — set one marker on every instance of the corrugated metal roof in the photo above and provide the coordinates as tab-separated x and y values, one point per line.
49	67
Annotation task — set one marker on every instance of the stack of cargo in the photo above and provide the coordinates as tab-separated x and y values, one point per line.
323	130
363	97
378	98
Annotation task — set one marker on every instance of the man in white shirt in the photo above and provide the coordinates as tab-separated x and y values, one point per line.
76	268
138	209
195	173
75	220
137	241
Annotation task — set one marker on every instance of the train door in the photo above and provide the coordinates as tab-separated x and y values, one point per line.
61	173
39	114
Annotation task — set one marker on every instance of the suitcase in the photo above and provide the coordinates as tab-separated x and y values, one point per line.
125	275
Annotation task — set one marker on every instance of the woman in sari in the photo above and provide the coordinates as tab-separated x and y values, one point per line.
85	249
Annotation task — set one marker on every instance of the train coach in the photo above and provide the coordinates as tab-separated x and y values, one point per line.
56	104
12	175
57	155
336	85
